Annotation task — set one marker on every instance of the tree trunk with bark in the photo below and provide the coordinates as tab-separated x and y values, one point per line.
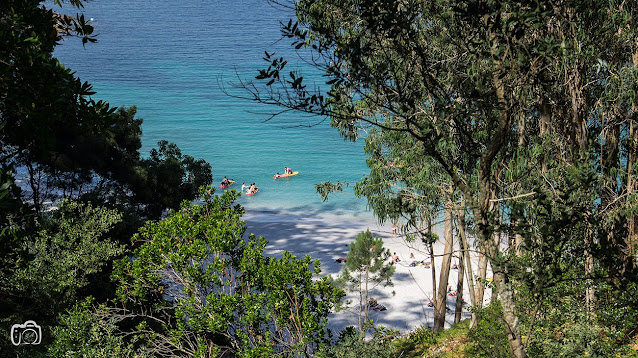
632	156
458	311
439	318
465	254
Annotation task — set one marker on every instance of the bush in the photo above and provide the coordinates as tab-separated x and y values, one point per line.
353	345
197	286
417	342
84	333
564	330
573	339
489	337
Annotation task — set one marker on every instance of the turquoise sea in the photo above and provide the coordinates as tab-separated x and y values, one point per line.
169	59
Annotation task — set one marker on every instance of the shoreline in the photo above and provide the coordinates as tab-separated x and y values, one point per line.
327	237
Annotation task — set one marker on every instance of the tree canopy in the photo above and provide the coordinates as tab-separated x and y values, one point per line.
61	146
526	110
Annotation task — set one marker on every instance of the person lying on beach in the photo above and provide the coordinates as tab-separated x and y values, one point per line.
374	305
379	308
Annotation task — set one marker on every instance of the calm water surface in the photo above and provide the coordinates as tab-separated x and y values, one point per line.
169	58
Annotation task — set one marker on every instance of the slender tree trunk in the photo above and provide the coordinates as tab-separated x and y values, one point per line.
482	272
545	124
590	292
435	301
520	124
502	285
632	157
510	314
361	308
465	251
545	116
439	318
632	221
458	311
579	130
35	187
505	290
496	235
367	302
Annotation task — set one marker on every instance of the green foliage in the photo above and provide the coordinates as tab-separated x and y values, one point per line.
365	268
15	220
525	109
489	337
63	261
618	311
70	248
554	223
356	346
87	331
564	330
325	189
576	339
167	178
214	290
70	146
417	342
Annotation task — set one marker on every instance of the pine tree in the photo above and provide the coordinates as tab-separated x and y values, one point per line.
365	268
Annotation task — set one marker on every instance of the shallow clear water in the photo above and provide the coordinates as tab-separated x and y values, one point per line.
169	58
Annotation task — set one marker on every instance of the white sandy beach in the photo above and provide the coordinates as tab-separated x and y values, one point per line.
327	237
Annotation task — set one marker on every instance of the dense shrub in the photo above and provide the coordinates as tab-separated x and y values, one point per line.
417	342
489	338
353	345
83	332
